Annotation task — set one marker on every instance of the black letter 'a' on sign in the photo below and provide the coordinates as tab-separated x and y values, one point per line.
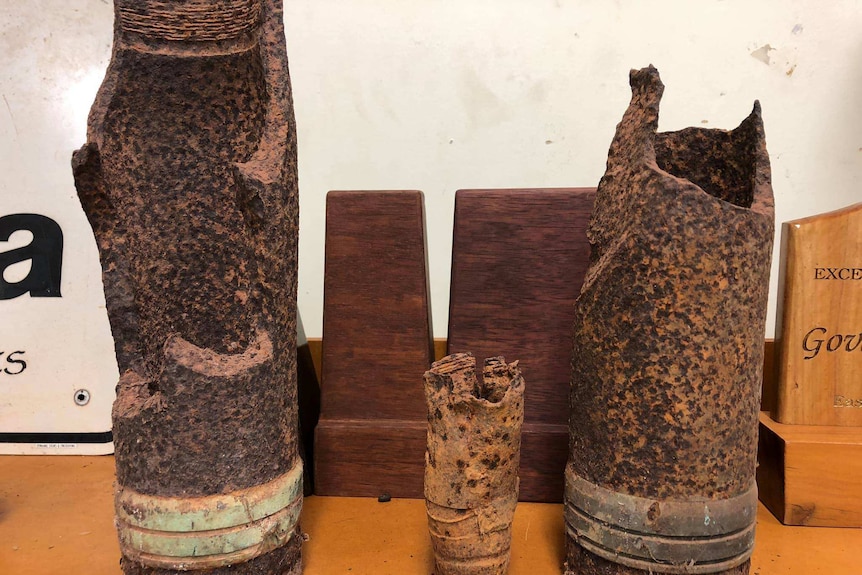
45	253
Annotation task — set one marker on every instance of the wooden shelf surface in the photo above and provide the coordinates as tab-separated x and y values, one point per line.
56	518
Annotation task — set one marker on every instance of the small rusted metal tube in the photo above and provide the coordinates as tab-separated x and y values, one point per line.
471	465
668	350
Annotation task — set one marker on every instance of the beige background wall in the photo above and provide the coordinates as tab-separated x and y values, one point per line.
434	95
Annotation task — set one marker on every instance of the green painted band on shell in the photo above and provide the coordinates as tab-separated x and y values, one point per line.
177	533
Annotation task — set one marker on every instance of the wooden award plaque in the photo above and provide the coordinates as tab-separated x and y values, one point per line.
518	261
810	455
819	331
810	474
370	438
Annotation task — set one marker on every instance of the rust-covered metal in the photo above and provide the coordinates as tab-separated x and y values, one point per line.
188	178
668	349
471	464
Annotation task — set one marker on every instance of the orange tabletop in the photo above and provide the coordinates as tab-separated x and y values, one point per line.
56	518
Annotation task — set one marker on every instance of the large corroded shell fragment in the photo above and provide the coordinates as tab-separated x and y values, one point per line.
188	178
668	349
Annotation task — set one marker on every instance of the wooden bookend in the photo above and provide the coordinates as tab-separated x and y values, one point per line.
518	261
308	400
819	332
377	344
811	474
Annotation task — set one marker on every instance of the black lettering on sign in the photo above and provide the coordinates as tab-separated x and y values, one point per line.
814	340
813	344
14	363
838	274
45	253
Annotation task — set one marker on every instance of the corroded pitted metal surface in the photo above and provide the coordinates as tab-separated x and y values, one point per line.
471	464
190	20
188	178
668	351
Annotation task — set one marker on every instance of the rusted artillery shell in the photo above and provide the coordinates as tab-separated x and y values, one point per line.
188	178
471	465
668	350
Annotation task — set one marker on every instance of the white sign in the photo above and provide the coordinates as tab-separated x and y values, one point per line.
56	381
57	366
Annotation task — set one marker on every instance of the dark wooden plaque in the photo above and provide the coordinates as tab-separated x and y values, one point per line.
376	346
518	262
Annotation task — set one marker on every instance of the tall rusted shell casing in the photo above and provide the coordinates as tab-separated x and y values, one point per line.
668	349
471	462
188	178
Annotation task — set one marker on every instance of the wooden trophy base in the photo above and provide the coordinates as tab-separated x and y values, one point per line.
811	474
543	446
370	458
519	257
346	448
370	438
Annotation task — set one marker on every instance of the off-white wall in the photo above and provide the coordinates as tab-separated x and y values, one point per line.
438	95
53	55
441	95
